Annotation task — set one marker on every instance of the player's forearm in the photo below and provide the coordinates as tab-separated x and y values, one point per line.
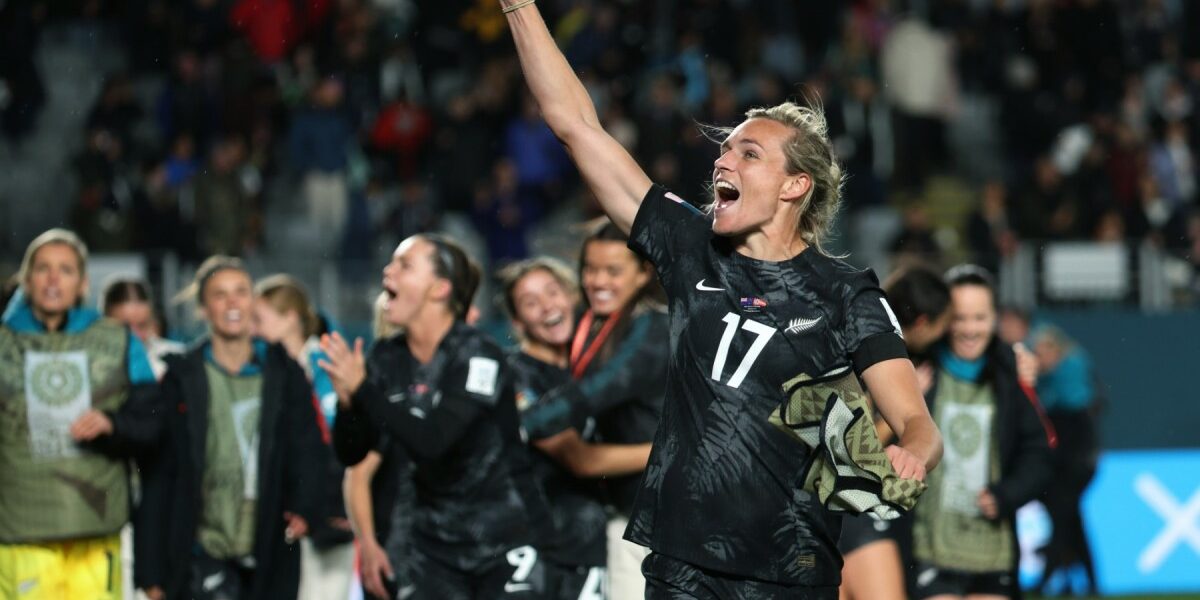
559	93
922	438
357	493
600	460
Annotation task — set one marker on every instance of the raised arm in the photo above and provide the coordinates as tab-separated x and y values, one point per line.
610	172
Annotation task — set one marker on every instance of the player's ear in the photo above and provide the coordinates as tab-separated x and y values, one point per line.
795	187
442	289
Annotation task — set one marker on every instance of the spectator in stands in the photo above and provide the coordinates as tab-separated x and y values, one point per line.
225	211
320	140
103	213
990	229
116	109
1069	390
222	520
22	91
505	212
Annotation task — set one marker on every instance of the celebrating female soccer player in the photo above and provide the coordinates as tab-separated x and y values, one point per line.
540	296
754	303
442	392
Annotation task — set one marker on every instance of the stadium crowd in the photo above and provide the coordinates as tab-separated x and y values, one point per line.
1057	119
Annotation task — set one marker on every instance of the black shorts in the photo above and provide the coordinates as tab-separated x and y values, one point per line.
216	579
566	582
931	581
670	579
860	530
517	575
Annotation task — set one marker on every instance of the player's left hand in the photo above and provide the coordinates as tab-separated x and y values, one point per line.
988	506
906	464
91	425
296	528
346	366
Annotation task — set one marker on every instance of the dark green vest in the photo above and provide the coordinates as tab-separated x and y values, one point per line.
50	487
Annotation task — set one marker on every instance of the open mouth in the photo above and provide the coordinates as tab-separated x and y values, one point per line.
554	320
233	315
727	193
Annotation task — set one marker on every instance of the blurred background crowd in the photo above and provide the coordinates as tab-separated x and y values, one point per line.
292	130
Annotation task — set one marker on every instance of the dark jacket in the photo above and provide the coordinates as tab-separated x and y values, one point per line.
1025	467
290	443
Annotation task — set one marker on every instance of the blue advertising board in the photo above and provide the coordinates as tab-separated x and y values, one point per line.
1142	514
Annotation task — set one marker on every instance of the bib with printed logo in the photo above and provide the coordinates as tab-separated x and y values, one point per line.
51	488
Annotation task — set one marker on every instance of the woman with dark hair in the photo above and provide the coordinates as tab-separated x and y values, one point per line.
618	361
130	301
540	297
996	459
756	306
442	392
234	489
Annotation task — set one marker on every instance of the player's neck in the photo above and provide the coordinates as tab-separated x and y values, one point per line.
293	343
51	321
232	353
774	242
426	332
553	355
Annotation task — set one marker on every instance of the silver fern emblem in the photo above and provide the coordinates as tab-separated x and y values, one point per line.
801	325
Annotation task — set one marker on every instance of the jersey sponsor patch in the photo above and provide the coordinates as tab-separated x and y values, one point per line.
892	317
481	375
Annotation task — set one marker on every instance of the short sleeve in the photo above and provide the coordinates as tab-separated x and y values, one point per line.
872	332
664	225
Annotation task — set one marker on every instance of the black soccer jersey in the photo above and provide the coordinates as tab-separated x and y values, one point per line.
576	510
722	490
456	418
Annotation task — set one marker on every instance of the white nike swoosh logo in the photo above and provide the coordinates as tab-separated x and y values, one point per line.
211	582
704	288
510	587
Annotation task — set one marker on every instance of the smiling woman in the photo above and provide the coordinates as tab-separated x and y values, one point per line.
997	455
218	519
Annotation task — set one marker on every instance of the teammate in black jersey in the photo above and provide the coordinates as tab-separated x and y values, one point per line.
540	296
441	390
754	303
873	567
618	364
